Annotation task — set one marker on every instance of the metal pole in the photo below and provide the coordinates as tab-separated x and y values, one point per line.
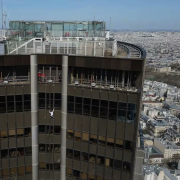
34	117
64	116
123	76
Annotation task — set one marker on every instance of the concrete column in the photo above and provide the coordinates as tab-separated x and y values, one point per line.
16	48
85	48
34	117
50	68
64	116
43	73
123	77
57	74
94	48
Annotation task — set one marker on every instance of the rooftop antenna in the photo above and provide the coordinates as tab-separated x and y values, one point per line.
5	15
110	25
94	13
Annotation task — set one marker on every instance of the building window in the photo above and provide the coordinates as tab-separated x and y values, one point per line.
77	136
28	169
41	100
20	132
70	134
3	134
5	172
128	145
70	106
76	174
69	171
102	140
77	155
21	171
86	106
41	129
2	104
121	115
92	158
99	178
28	151
93	139
42	148
49	129
27	132
57	129
95	108
20	151
4	154
119	143
78	105
117	164
103	109
109	162
113	110
12	153
126	166
12	133
19	103
100	160
110	142
27	102
131	114
56	166
91	177
10	104
57	101
84	156
83	175
13	171
57	148
85	136
42	166
69	153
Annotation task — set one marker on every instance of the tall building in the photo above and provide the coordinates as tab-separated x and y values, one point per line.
70	97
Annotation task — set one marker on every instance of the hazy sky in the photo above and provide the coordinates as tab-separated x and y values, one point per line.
125	14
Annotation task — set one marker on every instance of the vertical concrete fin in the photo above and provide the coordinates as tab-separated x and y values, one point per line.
34	117
64	115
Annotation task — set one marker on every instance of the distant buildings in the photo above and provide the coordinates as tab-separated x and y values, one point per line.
154	172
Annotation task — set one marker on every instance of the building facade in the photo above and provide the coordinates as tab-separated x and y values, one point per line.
70	116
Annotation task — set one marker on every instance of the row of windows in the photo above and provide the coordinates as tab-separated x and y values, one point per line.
77	174
100	160
49	129
112	110
11	153
100	140
26	132
17	103
20	171
50	148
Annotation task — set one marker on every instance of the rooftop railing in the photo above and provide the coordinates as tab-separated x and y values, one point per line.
96	83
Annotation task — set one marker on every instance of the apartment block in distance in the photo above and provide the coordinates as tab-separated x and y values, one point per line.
70	97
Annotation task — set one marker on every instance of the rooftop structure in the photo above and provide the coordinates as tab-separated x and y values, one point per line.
89	38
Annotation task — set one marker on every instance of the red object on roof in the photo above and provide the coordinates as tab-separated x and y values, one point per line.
43	75
39	74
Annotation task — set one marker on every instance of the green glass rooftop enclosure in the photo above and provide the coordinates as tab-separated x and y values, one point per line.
57	28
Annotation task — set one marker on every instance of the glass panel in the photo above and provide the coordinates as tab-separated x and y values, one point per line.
85	136
28	169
